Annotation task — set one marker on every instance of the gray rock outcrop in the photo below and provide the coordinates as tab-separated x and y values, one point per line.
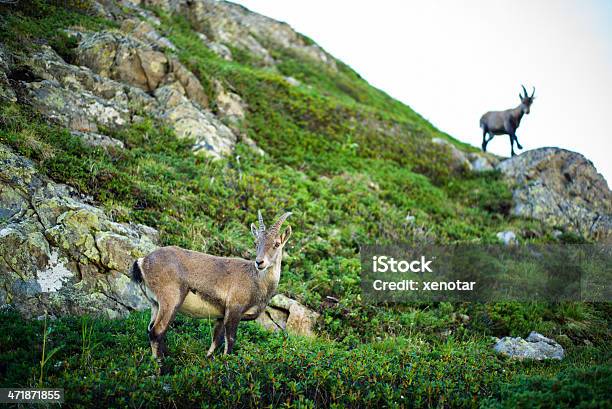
78	98
226	23
60	254
229	104
561	188
536	347
286	314
188	121
122	58
113	88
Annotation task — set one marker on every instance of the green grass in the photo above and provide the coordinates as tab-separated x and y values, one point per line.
351	163
272	369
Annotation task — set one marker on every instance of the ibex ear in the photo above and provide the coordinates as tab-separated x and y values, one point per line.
254	230
286	234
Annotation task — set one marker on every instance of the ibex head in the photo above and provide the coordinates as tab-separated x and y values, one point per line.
269	243
526	100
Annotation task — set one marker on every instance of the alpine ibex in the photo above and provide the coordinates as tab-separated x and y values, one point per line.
204	286
506	122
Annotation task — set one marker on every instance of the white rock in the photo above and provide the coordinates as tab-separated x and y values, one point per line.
292	81
507	237
536	347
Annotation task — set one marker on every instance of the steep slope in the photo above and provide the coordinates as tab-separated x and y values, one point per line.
188	117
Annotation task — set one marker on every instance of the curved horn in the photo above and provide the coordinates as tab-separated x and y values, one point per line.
524	91
262	226
532	92
276	227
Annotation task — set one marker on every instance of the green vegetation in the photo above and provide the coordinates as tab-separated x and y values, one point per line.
351	163
271	369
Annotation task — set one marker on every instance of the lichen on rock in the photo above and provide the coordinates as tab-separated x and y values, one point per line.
561	188
59	254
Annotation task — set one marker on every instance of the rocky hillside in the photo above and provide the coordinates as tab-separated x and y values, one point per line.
125	125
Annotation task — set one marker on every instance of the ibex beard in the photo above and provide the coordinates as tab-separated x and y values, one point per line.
200	285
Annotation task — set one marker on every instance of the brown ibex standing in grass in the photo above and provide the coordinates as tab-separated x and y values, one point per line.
506	122
204	286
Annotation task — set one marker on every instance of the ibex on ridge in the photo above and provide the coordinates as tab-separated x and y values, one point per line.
506	122
204	286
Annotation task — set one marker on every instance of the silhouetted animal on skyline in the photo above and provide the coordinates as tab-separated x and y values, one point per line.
506	122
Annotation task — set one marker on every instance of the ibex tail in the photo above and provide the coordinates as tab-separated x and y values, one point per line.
136	272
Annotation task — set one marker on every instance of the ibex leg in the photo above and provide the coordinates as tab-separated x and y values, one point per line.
169	303
217	337
154	310
511	145
231	321
518	145
485	141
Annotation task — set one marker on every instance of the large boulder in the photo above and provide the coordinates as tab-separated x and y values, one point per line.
122	58
561	188
60	254
88	102
137	60
536	347
286	314
78	98
79	111
188	121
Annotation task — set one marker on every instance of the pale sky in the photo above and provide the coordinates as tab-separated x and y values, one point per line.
452	61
